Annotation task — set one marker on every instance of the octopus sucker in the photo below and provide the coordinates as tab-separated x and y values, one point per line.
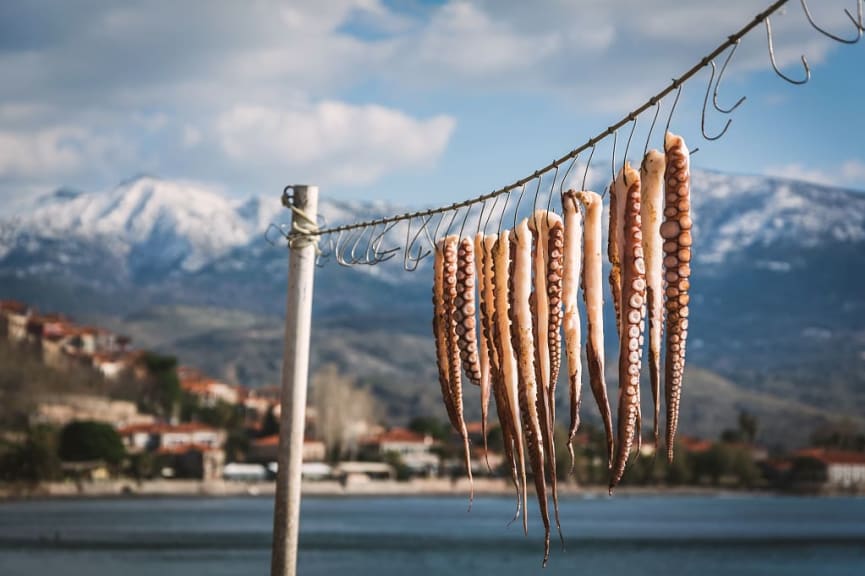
676	232
593	295
451	298
508	371
651	210
545	304
464	311
572	260
633	319
484	281
523	341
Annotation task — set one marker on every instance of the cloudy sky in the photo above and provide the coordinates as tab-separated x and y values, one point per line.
412	101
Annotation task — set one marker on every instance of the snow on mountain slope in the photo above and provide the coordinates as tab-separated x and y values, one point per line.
165	226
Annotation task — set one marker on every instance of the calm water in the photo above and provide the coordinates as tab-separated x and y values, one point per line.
425	536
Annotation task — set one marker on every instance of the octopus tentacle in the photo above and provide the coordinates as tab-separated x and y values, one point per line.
633	320
440	335
545	305
483	267
614	250
593	296
523	340
464	313
506	355
676	232
652	183
571	271
451	296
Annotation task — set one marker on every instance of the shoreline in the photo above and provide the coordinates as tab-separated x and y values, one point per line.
413	488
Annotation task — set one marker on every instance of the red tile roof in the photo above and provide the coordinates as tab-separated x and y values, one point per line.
162	428
13	306
402	435
185	448
832	456
695	445
273	440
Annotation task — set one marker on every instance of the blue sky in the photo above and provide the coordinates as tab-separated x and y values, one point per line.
415	102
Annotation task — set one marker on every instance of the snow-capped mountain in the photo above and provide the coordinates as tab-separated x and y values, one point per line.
777	304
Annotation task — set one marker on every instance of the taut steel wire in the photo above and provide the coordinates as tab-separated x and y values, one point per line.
349	236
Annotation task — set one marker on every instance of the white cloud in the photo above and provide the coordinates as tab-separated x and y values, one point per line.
351	144
848	174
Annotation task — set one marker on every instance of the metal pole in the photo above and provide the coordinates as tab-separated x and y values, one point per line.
295	374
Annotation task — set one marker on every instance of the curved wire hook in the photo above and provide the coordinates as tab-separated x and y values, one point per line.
705	105
451	223
828	34
279	228
517	207
775	65
588	165
465	219
493	211
565	176
407	256
651	129
379	256
718	84
550	197
670	117
354	260
612	164
505	210
337	250
535	202
481	216
627	147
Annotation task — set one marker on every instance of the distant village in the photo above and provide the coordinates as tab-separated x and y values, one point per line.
179	423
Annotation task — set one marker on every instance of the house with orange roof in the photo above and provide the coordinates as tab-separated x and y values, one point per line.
208	391
13	320
828	469
266	449
414	450
161	436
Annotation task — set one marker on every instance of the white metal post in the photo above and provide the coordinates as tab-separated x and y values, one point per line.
295	375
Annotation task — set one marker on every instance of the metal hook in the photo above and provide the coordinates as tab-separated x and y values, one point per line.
718	83
337	254
652	128
705	104
354	260
612	163
407	257
465	219
505	209
383	256
279	228
481	216
552	187
627	147
451	223
565	176
670	117
588	165
535	202
493	211
828	34
775	65
517	207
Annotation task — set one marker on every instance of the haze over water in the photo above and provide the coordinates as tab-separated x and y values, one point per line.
428	536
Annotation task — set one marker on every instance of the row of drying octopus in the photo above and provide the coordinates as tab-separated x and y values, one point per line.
501	303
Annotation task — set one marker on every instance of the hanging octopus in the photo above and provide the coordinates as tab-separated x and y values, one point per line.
571	272
676	232
485	354
446	335
652	182
508	380
523	342
593	295
633	312
546	303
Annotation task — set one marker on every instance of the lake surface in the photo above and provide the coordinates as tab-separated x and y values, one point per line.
736	535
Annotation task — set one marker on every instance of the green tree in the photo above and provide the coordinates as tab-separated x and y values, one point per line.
165	393
748	425
33	461
88	440
438	429
270	426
